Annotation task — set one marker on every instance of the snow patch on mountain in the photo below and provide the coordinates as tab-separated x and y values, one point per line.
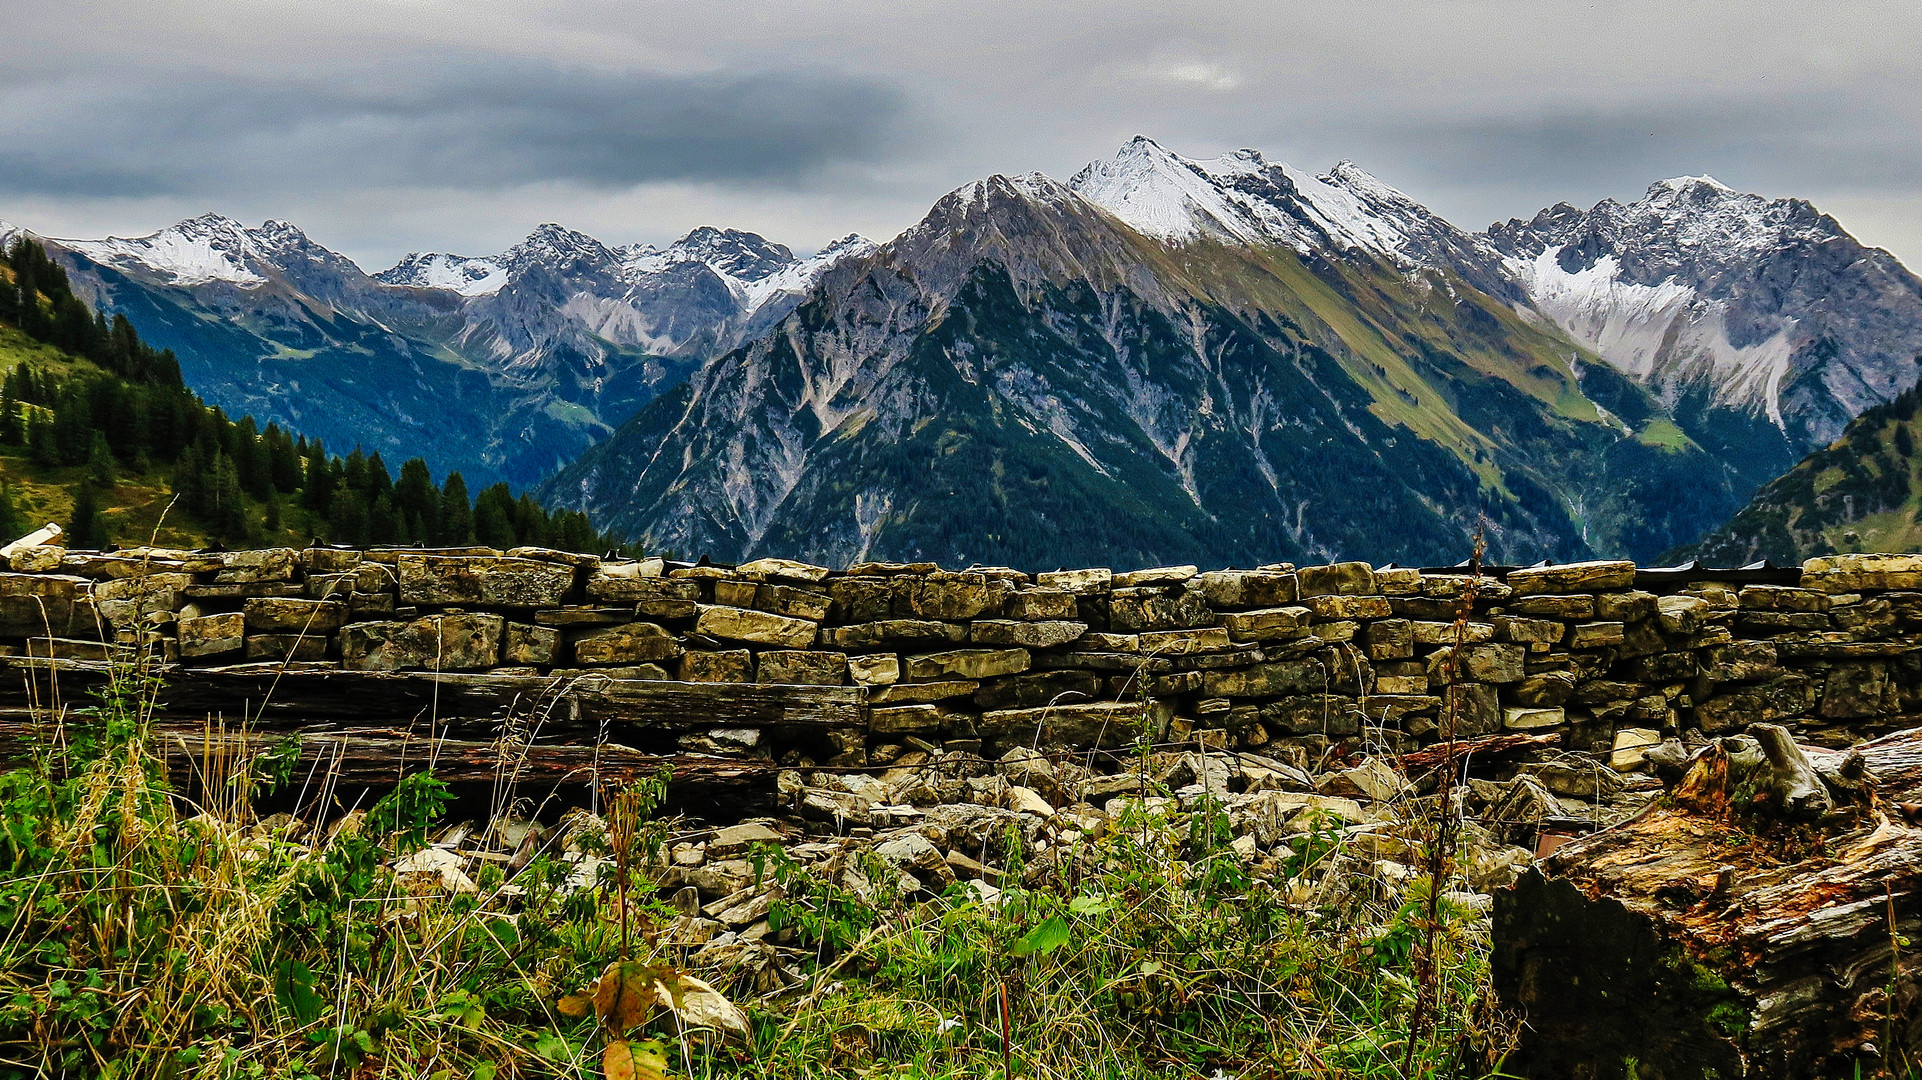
1663	332
1624	323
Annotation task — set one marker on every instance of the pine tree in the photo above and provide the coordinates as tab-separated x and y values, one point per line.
418	501
383	523
41	447
347	518
322	479
101	467
494	517
456	513
13	431
73	429
85	529
283	460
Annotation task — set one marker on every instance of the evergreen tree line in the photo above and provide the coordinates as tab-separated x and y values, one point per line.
243	484
36	297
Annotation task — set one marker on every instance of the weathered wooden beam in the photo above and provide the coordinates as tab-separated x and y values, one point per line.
307	697
1710	936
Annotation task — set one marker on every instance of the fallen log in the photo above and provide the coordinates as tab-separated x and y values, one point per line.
203	756
1763	919
314	694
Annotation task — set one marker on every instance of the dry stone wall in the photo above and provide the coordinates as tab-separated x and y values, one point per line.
1611	658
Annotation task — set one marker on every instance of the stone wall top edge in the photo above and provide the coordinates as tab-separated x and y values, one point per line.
1839	567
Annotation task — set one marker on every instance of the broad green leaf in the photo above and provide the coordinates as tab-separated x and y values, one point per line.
294	992
1043	939
1089	906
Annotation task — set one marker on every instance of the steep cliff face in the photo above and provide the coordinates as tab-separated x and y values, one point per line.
504	367
1027	376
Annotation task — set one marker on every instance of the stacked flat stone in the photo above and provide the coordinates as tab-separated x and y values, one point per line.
988	658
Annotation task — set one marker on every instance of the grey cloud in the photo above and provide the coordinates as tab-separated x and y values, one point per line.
434	121
1784	145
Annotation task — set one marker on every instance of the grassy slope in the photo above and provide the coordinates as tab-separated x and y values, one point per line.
1859	493
135	511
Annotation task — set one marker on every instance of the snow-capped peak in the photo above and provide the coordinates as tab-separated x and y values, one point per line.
734	253
1243	197
210	247
456	273
8	230
558	247
850	245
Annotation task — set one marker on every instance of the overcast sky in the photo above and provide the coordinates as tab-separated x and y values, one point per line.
388	126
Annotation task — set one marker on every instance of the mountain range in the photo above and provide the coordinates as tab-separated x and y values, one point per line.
1232	361
1224	361
503	367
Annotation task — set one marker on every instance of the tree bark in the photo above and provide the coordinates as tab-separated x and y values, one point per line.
1733	929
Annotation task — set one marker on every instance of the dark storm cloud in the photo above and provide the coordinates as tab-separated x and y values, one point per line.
432	121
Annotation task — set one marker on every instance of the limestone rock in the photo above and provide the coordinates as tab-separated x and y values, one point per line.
1038	688
1107	723
784	570
291	615
875	669
1149	608
530	645
483	581
759	627
1596	635
1091	582
635	643
801	667
1340	579
435	643
1630	750
1851	573
1163	575
1267	624
211	635
1681	614
922	692
1528	718
1784	698
268	564
1225	589
1040	634
1581	577
1349	607
722	666
968	664
874	634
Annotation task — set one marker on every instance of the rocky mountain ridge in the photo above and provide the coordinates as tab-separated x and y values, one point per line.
1107	296
503	367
